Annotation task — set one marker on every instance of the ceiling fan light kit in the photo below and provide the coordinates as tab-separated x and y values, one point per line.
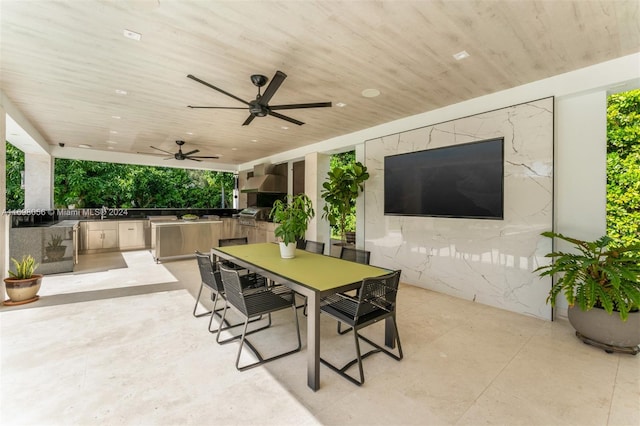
259	107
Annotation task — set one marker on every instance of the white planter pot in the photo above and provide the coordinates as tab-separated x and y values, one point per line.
287	251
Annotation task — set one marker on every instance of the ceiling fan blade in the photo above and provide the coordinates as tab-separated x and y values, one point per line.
191	152
150	153
271	89
248	120
212	107
297	106
284	117
193	159
200	156
215	88
166	152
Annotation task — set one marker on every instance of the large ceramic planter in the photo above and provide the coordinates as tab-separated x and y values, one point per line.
22	291
609	332
287	251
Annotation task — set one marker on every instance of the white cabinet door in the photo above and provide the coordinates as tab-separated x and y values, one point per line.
131	234
109	239
94	239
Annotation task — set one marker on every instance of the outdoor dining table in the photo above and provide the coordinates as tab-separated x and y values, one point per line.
309	274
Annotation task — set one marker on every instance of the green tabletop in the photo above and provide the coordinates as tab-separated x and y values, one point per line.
310	269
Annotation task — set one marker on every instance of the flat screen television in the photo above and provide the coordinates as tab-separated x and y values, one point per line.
462	181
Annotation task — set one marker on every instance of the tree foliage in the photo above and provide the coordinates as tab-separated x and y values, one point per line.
623	167
95	184
89	184
15	165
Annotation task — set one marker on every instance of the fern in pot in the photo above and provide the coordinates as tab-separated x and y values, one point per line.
293	219
601	284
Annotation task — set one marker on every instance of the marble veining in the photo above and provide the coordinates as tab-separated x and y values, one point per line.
487	261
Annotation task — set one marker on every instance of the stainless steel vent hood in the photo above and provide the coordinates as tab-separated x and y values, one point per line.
265	180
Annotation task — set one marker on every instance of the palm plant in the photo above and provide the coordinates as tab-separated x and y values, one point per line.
595	275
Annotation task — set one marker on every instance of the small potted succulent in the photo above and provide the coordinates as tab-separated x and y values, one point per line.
22	285
293	218
601	282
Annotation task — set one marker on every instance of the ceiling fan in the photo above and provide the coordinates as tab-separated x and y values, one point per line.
259	107
180	155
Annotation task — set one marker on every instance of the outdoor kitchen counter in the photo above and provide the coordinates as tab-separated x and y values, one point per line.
181	238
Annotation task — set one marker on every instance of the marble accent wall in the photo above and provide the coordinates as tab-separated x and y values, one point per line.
488	261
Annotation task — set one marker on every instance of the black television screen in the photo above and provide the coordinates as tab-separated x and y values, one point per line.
463	181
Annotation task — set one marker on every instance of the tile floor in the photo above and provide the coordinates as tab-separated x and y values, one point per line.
135	355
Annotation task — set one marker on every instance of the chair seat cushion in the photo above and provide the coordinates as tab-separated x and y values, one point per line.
344	309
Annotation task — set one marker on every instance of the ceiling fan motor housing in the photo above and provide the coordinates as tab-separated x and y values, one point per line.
256	109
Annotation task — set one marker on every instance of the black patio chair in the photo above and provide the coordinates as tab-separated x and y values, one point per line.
355	255
376	301
251	305
210	278
225	242
314	246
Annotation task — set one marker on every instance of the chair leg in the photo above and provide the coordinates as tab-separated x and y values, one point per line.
381	348
359	357
228	326
262	360
195	308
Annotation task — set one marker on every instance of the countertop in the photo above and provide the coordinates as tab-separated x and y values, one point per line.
184	222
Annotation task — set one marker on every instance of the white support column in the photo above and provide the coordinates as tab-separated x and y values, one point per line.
4	218
580	199
38	181
316	167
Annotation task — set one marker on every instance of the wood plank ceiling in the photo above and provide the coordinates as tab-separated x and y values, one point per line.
62	62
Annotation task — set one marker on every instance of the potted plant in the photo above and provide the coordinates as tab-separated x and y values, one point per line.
598	279
293	218
22	285
340	191
55	249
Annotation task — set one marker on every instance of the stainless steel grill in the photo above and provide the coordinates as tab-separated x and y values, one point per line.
250	215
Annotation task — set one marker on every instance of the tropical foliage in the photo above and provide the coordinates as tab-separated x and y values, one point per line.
15	165
24	268
340	190
595	275
95	184
623	167
87	184
292	217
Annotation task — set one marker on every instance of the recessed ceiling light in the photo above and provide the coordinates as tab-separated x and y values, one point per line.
121	92
190	133
132	35
370	93
112	142
116	117
461	55
341	105
254	140
113	132
84	145
234	149
284	127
